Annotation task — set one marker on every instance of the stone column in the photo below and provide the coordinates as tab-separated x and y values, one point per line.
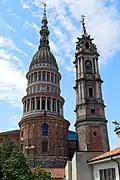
78	71
97	69
81	66
33	77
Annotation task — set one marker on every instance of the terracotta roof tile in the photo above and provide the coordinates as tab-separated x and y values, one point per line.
56	172
107	154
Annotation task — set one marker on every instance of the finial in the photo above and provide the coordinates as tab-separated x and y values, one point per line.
84	32
44	8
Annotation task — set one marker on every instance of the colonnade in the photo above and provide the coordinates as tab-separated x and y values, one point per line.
43	76
43	104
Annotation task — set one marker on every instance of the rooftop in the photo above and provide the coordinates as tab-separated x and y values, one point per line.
56	172
111	153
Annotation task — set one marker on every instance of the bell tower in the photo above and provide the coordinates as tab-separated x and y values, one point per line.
91	124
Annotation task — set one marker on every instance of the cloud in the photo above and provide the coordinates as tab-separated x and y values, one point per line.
12	79
24	4
29	43
6	42
102	23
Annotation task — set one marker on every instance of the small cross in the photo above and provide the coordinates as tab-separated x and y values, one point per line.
83	18
44	7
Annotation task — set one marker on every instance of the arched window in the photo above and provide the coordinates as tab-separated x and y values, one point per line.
44	129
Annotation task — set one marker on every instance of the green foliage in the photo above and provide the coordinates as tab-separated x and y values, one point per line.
41	172
13	165
5	152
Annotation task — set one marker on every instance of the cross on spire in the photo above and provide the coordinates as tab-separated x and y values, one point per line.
44	8
84	32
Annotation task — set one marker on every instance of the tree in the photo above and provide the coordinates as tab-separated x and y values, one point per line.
41	173
6	151
16	167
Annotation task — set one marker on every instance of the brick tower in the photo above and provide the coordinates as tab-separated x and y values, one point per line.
43	127
91	124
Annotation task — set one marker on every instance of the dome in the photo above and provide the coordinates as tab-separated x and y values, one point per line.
44	55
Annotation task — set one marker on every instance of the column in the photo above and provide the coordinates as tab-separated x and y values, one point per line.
81	65
78	72
97	90
33	77
45	76
97	65
82	90
24	107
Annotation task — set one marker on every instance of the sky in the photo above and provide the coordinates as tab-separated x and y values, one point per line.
20	22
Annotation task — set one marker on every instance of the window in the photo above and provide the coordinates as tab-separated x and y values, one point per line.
44	129
28	105
44	147
52	77
48	77
107	174
32	104
48	88
38	103
54	105
93	111
35	76
34	89
28	79
55	79
90	92
48	104
58	106
39	76
43	103
31	78
43	76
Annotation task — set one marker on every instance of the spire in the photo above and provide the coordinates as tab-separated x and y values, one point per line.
84	32
44	32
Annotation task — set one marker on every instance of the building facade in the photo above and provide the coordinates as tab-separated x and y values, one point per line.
44	134
43	129
91	124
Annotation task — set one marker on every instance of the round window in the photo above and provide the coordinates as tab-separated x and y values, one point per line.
95	133
87	45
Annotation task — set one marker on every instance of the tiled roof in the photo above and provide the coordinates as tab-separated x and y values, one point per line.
56	172
10	132
107	154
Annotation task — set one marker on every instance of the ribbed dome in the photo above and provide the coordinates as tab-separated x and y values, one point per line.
45	56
